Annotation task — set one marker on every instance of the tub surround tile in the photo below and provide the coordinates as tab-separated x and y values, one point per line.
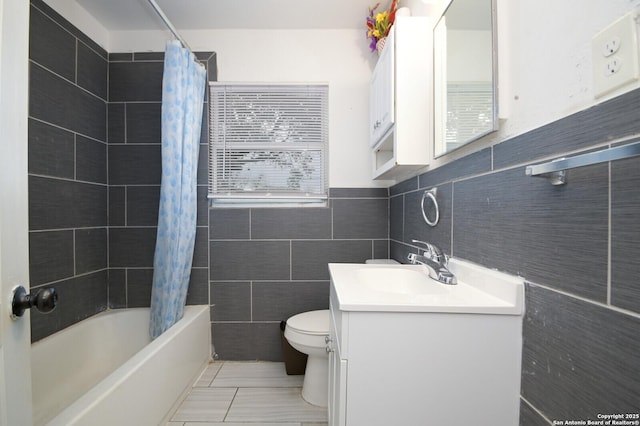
79	298
131	247
139	283
144	122
198	293
117	288
46	265
142	204
92	71
60	102
135	164
91	160
52	46
116	122
90	249
578	358
229	224
51	150
358	193
117	206
135	81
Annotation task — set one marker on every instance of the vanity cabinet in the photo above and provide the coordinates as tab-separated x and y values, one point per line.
410	368
400	128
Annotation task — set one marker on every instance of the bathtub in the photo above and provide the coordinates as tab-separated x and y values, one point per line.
105	370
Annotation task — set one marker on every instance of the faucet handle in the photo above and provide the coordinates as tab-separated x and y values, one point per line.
433	252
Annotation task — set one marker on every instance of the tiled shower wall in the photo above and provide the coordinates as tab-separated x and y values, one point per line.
255	266
577	246
67	170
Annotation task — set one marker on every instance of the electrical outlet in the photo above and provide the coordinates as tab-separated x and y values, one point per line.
615	55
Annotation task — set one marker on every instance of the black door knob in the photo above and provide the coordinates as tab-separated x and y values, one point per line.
45	300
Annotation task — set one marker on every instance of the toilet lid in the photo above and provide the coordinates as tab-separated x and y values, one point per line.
312	322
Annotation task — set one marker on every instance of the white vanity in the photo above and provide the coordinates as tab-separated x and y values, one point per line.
407	350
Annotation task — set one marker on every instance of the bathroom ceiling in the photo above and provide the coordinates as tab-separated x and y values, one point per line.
123	15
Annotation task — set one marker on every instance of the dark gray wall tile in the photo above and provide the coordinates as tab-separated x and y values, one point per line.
117	288
380	249
116	122
552	235
50	256
229	224
135	81
247	341
90	249
609	120
144	122
148	56
131	247
203	206
410	184
231	301
249	260
203	167
57	101
310	258
529	417
277	301
415	227
78	298
360	218
51	150
290	223
91	160
142	205
579	359
625	229
121	57
52	46
198	293
396	218
478	162
358	192
139	284
135	164
117	206
201	248
55	204
92	71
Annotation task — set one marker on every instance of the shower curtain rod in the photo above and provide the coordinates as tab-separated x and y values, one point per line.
168	24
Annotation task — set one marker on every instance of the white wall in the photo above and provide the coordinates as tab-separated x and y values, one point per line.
544	68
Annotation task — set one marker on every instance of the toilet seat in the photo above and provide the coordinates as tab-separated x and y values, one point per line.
312	322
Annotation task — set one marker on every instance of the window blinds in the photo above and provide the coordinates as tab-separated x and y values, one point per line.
268	143
469	112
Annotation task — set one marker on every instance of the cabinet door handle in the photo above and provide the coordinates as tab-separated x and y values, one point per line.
328	339
329	349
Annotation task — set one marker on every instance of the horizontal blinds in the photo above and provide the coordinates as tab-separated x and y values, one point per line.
268	141
469	111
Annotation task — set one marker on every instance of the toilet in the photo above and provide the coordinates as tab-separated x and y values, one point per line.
306	332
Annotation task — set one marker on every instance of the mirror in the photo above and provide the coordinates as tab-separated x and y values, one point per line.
465	71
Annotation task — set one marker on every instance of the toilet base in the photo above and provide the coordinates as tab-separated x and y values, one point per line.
315	388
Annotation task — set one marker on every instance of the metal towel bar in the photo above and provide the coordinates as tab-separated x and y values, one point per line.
556	170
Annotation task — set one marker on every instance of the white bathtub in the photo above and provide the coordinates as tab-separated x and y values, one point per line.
106	370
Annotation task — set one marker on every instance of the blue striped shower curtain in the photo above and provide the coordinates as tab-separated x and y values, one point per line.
183	86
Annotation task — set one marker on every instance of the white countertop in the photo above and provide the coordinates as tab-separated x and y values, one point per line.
407	288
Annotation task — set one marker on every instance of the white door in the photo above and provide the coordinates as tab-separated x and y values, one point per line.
15	363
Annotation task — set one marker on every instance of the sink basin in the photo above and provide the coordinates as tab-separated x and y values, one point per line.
399	280
408	288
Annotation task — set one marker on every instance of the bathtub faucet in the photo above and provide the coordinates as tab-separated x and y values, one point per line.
435	261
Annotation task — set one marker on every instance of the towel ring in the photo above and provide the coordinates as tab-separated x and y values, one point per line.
431	195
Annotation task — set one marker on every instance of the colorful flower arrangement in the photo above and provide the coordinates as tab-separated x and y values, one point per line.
379	23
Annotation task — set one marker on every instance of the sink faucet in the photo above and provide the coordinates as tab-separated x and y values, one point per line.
435	261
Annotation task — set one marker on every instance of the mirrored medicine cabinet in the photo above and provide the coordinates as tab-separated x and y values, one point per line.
465	74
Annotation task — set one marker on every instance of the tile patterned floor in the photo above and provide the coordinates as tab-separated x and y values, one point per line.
232	393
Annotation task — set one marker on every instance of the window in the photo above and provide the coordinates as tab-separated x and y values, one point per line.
268	144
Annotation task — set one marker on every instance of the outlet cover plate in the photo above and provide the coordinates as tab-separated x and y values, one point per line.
614	69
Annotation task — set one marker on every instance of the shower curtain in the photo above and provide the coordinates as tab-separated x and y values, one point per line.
183	86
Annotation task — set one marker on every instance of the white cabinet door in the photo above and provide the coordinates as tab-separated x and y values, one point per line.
382	94
15	363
